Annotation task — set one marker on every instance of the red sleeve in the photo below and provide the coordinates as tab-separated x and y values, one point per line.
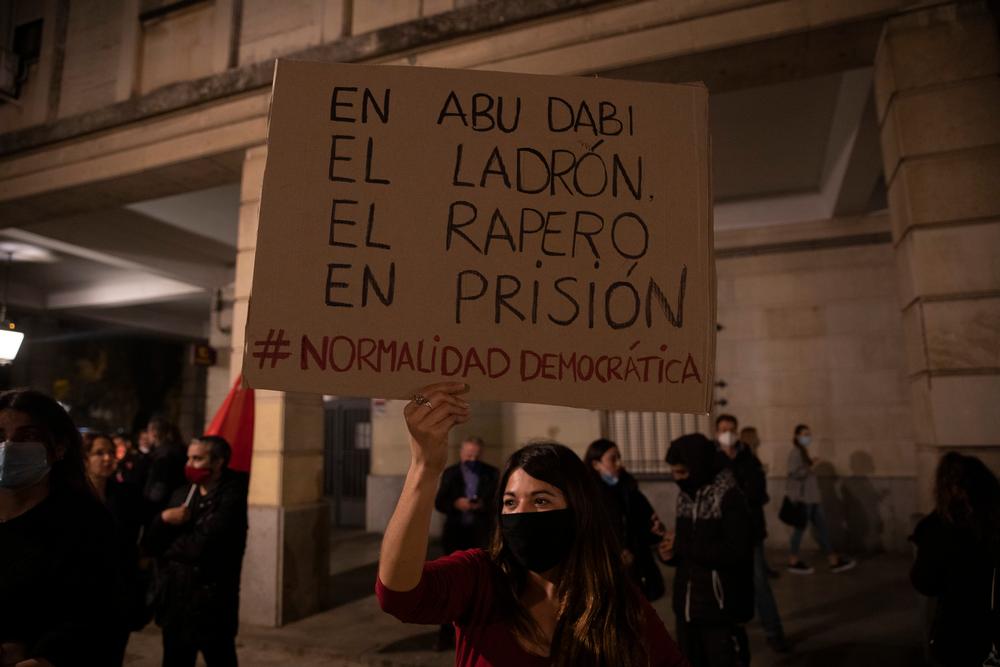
663	651
447	590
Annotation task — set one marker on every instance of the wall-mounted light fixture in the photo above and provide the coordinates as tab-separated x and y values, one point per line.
10	340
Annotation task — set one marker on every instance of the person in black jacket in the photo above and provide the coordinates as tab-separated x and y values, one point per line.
465	497
635	523
712	550
125	504
199	541
57	549
133	467
165	464
752	481
958	562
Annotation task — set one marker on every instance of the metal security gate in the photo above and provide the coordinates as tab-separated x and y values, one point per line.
643	437
348	436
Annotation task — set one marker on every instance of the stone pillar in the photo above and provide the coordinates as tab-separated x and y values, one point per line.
937	94
286	564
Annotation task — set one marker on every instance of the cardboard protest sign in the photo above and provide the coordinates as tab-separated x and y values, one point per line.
545	239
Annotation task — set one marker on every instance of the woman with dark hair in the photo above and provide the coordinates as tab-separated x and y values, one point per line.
57	548
124	501
958	562
635	524
803	487
549	591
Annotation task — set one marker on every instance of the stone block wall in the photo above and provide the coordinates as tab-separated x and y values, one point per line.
813	336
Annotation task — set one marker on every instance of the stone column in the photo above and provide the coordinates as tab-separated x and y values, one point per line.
286	564
938	94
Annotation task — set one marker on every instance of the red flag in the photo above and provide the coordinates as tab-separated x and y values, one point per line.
234	422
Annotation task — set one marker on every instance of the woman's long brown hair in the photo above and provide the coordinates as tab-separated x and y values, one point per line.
600	618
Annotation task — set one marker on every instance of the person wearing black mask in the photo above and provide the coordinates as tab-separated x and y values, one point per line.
712	549
465	497
199	542
548	591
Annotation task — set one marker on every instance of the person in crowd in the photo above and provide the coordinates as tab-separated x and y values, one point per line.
199	540
633	520
123	444
958	562
549	591
133	466
752	481
712	549
750	437
57	549
465	497
125	504
144	443
166	463
803	487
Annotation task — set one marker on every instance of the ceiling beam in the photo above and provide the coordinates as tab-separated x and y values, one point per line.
130	240
140	289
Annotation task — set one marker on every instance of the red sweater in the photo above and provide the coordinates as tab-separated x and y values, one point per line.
459	589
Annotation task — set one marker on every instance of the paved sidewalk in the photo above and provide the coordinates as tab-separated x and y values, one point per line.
866	617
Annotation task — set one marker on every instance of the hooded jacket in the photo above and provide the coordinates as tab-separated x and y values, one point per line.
713	547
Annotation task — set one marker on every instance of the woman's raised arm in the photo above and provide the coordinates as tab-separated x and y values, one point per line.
429	418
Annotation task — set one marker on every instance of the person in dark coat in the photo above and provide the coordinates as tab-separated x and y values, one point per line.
958	563
57	549
165	464
133	467
635	523
712	549
752	481
199	542
465	497
124	502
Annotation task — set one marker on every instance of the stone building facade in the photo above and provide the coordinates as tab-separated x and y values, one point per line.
857	182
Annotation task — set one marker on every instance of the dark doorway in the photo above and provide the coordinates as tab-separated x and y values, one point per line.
348	434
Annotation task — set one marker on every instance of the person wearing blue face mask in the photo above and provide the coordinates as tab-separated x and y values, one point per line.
465	498
58	558
635	523
804	488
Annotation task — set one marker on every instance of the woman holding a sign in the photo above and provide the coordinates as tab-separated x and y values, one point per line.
549	591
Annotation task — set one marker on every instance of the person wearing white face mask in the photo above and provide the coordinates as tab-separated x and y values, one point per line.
752	481
58	559
803	488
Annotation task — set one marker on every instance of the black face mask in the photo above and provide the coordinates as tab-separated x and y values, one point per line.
688	486
538	540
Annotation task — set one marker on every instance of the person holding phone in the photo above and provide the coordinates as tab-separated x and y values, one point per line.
465	498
